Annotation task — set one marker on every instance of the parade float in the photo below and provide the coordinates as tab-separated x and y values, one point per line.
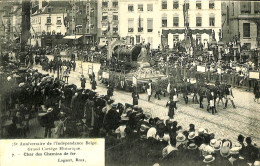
130	67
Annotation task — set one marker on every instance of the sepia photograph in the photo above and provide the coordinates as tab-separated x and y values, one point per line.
129	83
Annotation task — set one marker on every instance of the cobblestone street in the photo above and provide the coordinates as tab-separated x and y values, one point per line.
227	123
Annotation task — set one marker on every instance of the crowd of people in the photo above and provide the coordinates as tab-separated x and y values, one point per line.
131	135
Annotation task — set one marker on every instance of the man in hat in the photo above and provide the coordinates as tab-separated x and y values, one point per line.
83	81
49	122
251	152
229	96
93	84
171	105
135	97
235	158
112	118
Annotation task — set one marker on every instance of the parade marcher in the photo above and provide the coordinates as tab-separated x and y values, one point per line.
110	90
149	90
158	90
212	105
66	75
172	105
93	84
256	92
229	96
83	81
135	97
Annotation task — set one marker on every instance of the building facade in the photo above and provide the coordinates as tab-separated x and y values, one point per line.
10	20
139	21
108	20
82	21
241	20
161	22
48	22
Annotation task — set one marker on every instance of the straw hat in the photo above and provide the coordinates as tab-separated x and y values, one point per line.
237	145
217	145
50	109
180	137
225	151
192	146
208	159
191	135
234	150
212	142
227	144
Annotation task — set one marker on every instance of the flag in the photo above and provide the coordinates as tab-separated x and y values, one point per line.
108	26
139	22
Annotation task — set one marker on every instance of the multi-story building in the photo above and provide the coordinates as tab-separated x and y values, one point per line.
108	20
48	22
241	21
82	21
11	19
202	17
139	21
164	21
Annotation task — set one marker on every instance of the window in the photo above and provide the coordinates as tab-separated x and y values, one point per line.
164	4
211	4
115	28
188	21
187	5
175	37
59	20
104	4
164	22
58	30
257	7
115	4
198	4
175	4
175	21
130	25
245	7
246	30
130	8
115	16
211	21
198	38
247	45
198	21
138	38
140	7
149	25
48	20
104	16
149	7
49	10
140	25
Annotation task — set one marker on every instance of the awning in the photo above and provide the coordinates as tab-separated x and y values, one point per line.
73	37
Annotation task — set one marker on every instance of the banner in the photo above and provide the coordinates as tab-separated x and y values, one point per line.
134	81
105	75
201	68
254	75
